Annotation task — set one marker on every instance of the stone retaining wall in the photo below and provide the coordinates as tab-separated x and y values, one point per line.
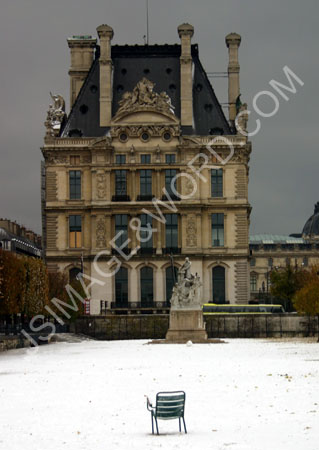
117	327
12	342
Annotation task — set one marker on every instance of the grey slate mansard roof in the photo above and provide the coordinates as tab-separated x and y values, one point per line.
161	65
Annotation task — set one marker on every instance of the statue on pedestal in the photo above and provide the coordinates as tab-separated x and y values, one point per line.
187	291
186	320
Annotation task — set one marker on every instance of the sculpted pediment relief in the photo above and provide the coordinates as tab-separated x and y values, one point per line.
143	105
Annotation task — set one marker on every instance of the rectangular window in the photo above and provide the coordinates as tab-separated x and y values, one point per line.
170	158
146	234
120	159
75	231
170	175
145	159
120	182
218	230
217	182
120	227
74	160
75	184
146	182
171	230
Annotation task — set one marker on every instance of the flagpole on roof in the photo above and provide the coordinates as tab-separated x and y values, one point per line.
147	21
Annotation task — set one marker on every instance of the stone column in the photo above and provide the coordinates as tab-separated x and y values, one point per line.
158	237
159	284
233	42
105	35
132	233
133	185
158	190
185	32
134	295
93	184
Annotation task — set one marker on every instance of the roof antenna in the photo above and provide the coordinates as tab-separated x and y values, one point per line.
147	30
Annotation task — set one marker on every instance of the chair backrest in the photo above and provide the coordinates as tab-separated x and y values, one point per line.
170	405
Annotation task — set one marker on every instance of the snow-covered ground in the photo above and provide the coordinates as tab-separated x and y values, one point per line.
244	394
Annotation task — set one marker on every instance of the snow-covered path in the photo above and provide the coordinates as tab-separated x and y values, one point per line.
244	394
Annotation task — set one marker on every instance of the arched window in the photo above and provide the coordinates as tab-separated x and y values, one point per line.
121	287
73	274
219	285
253	282
147	296
171	279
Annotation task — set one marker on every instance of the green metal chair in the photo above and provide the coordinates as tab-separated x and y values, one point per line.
169	405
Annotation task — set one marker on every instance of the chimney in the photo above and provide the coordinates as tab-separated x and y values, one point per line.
105	33
233	42
82	54
185	32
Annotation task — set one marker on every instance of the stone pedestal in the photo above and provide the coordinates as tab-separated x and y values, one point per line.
186	325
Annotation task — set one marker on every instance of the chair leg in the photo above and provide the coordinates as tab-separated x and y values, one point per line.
184	425
156	425
152	423
179	421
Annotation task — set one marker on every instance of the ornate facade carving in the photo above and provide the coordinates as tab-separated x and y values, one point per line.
53	158
86	159
191	231
143	97
100	233
102	142
100	185
153	130
241	155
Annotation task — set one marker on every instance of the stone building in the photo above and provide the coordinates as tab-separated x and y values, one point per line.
273	252
18	239
146	170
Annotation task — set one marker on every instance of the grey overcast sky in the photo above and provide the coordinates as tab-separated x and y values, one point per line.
35	59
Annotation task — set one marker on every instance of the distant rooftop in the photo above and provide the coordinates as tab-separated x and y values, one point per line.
275	239
82	36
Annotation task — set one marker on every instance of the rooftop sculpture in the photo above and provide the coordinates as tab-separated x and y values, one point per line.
143	97
55	115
